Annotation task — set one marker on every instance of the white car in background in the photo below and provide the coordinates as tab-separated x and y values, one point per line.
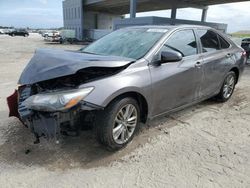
53	36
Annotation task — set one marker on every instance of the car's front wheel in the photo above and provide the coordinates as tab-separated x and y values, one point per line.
116	125
227	88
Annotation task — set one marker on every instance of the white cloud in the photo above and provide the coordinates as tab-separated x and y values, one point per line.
45	2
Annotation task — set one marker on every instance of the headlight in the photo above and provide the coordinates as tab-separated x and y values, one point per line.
57	101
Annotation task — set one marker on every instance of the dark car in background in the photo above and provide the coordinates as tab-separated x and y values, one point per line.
127	77
246	46
19	32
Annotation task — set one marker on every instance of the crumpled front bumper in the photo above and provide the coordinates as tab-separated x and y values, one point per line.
12	102
47	124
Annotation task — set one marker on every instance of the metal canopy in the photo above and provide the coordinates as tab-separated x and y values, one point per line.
120	7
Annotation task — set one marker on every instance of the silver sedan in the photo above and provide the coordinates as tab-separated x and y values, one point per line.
127	77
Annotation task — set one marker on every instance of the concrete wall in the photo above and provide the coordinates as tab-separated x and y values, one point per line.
98	20
96	25
95	34
72	16
152	20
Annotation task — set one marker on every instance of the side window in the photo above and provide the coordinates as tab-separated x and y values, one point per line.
223	43
183	42
209	40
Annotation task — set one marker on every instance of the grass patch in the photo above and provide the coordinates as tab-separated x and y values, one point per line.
241	35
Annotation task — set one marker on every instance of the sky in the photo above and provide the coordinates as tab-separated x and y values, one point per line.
46	14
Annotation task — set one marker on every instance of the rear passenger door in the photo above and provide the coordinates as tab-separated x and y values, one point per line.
215	60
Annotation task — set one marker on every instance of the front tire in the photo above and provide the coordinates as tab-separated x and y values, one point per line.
116	126
227	88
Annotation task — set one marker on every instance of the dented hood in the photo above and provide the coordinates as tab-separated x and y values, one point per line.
50	63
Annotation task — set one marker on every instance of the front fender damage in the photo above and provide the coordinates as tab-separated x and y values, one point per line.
52	125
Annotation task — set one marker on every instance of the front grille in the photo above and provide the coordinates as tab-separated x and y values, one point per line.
23	93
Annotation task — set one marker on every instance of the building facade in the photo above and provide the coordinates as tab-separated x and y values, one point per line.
86	23
92	19
73	16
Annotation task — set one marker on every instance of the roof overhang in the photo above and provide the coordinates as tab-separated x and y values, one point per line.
121	7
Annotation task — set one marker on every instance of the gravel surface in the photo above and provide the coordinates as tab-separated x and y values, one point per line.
207	145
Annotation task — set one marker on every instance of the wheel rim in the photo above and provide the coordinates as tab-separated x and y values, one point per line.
228	86
125	123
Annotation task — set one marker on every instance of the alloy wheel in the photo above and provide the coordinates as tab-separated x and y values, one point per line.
228	86
125	123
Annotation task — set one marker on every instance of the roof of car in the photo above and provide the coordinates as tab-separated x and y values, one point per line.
170	27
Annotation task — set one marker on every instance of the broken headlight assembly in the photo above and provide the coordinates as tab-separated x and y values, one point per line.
57	101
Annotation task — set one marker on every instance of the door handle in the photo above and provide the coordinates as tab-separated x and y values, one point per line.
198	64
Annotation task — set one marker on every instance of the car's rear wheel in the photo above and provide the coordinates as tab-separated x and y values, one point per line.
227	88
116	125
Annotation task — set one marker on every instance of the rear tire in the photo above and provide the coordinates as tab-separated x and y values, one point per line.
116	126
227	88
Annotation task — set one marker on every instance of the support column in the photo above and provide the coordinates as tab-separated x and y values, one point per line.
132	8
173	15
204	14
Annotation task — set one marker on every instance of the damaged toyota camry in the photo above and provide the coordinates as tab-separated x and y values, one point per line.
125	78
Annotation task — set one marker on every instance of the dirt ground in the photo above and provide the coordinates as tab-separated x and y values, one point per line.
207	145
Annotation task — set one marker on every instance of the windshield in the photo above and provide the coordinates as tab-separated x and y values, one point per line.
131	43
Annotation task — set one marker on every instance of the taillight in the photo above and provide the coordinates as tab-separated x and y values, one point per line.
244	53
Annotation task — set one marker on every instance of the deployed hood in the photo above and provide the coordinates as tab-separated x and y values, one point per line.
47	64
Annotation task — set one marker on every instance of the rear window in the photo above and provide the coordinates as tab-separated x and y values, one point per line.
209	40
223	43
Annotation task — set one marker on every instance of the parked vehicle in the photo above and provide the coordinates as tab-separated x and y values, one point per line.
125	78
7	31
53	36
64	36
246	46
68	35
19	32
44	34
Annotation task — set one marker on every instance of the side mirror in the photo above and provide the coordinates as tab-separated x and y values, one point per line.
170	56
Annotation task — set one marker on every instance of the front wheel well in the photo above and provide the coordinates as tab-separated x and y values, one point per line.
236	71
142	102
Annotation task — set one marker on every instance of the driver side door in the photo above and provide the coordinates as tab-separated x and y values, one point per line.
175	84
